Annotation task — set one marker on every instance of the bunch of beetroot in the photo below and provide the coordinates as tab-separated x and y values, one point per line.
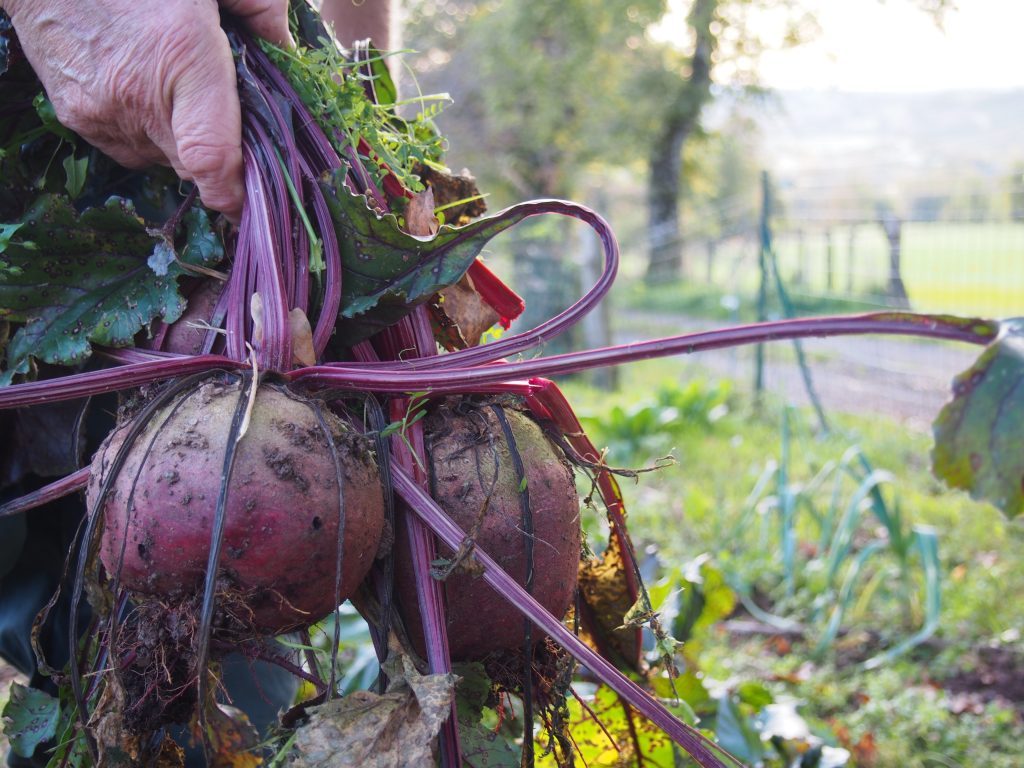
322	424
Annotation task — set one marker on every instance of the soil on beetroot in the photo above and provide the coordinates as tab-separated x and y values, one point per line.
474	478
156	665
283	509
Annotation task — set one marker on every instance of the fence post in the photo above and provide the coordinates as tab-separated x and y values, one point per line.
830	262
892	225
850	259
764	236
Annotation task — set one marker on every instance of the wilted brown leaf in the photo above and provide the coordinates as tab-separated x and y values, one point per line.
393	730
114	744
232	737
170	755
450	189
419	215
303	352
256	312
462	315
605	600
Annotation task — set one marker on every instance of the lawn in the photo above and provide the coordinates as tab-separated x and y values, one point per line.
966	269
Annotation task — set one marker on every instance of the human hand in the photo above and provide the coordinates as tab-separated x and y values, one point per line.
149	81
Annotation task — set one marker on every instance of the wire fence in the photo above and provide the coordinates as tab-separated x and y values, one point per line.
833	250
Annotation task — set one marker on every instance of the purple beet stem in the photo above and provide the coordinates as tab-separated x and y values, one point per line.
373	377
696	744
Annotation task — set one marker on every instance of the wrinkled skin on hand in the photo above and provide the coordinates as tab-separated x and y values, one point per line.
150	81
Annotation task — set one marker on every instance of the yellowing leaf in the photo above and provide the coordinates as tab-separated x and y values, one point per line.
233	738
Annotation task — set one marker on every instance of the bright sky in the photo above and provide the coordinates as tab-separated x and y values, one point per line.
868	45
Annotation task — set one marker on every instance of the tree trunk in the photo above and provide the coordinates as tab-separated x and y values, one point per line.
666	155
663	234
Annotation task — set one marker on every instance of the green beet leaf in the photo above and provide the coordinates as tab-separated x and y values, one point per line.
978	432
74	279
386	272
30	718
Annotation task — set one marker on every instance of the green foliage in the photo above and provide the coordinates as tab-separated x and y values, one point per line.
483	744
651	423
701	506
74	279
977	434
388	272
687	298
30	718
537	85
824	516
912	724
335	93
357	667
595	717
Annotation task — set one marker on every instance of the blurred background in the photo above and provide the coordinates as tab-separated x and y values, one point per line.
763	159
873	147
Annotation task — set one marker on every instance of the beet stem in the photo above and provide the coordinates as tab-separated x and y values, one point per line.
76	481
526	518
694	742
213	561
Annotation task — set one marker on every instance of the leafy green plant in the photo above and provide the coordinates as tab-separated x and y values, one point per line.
845	522
654	421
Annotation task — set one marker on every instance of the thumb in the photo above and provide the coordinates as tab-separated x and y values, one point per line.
264	18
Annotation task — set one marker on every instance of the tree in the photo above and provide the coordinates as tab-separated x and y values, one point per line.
684	98
536	86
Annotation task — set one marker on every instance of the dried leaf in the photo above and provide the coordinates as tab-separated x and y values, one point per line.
462	315
233	738
393	730
256	312
170	755
116	746
419	215
303	352
460	190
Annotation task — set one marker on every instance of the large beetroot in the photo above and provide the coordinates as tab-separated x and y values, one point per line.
280	542
474	478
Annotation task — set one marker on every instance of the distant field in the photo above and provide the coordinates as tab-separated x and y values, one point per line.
966	269
959	268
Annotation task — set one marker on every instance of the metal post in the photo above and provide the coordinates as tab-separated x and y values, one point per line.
762	291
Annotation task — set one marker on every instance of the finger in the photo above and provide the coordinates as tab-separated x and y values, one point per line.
264	18
138	155
206	125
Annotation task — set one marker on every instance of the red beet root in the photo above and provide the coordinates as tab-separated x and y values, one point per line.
281	532
463	445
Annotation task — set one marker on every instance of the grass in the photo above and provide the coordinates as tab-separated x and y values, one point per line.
897	715
972	269
967	269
